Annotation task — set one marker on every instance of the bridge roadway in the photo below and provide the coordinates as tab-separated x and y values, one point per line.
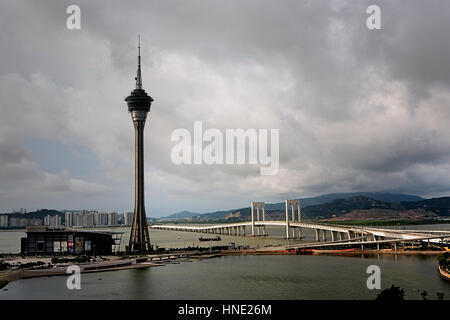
293	231
239	229
362	241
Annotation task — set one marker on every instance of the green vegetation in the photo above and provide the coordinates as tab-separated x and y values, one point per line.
3	283
78	259
39	214
438	206
402	222
7	266
444	261
31	264
4	265
392	294
397	294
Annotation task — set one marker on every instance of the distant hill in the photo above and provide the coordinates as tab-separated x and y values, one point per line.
244	213
41	214
37	214
181	215
385	197
440	206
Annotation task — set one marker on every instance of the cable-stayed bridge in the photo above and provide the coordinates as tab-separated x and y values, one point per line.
338	234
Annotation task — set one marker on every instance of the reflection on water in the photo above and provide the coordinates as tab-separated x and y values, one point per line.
246	277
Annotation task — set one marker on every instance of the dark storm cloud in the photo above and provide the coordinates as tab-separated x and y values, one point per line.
357	109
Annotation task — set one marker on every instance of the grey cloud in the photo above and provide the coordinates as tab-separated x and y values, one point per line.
357	110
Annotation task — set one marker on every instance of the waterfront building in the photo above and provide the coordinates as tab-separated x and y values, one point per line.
113	218
100	219
61	241
78	219
69	219
3	221
88	219
34	222
127	218
53	221
83	219
16	222
20	222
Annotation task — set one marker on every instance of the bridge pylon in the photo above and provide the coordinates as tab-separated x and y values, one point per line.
257	206
291	205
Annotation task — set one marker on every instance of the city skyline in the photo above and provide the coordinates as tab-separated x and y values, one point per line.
357	109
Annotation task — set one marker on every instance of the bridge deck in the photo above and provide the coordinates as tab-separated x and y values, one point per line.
377	232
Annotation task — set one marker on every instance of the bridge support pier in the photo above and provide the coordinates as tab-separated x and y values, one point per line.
324	235
333	235
317	235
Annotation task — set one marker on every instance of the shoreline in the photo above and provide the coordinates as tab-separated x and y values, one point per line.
141	262
61	270
330	252
443	273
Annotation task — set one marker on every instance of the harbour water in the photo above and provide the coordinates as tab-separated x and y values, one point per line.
240	277
246	277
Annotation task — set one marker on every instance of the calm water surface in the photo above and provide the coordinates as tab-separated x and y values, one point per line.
240	277
246	277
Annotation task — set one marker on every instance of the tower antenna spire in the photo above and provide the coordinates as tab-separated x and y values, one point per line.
139	74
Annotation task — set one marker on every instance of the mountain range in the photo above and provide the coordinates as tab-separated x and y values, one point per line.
371	204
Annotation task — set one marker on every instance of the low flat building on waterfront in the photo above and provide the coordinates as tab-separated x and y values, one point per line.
66	241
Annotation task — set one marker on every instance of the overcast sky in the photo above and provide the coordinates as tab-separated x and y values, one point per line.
357	109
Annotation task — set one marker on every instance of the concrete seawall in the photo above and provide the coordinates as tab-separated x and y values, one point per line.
87	268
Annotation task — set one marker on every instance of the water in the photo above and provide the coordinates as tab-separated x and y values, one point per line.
240	277
246	277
